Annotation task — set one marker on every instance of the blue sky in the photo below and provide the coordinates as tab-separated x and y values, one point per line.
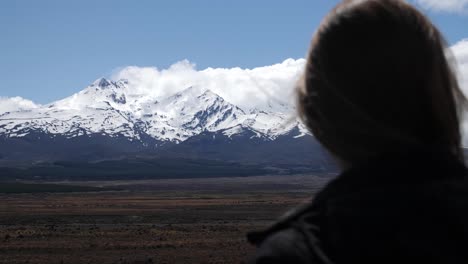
50	49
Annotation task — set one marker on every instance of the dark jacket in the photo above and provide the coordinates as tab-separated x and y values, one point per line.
404	207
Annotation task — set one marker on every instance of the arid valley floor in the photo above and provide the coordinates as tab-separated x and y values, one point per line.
152	221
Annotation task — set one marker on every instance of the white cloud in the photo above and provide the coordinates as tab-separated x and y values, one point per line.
460	53
10	104
455	6
243	87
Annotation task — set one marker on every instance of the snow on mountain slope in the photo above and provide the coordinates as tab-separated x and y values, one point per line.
110	108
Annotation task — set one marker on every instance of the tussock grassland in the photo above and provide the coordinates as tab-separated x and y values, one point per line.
166	221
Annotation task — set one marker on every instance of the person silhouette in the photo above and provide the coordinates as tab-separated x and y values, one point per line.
380	93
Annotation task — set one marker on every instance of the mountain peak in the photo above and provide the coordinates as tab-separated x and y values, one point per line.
124	81
102	83
191	91
208	92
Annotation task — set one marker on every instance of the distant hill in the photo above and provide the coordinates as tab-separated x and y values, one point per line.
16	187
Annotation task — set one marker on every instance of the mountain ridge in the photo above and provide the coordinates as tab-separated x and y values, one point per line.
103	107
108	125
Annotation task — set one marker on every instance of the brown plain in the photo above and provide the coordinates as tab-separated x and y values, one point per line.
155	221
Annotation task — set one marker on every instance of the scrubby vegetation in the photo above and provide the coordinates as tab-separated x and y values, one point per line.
15	187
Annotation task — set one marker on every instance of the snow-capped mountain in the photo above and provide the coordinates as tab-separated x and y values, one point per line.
109	131
107	108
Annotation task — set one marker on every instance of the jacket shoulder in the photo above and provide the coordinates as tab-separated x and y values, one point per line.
292	240
284	246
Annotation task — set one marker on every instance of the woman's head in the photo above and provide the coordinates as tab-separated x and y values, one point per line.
378	78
